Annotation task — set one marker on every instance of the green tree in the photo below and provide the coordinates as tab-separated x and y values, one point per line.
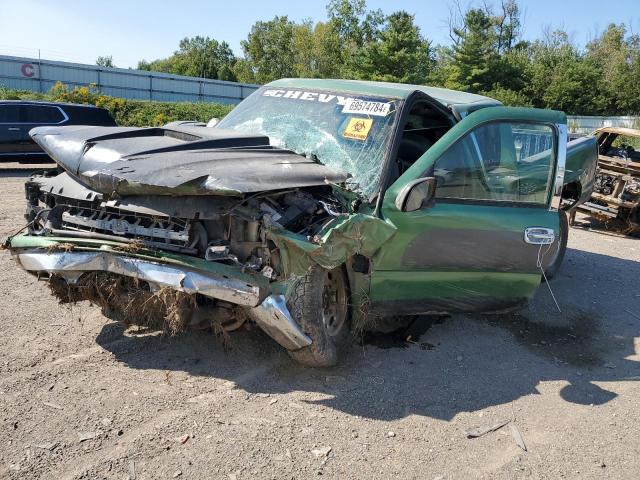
327	52
400	54
441	68
546	57
196	57
507	26
618	58
243	71
226	73
508	77
281	48
269	49
487	54
559	77
472	54
509	97
355	27
353	23
106	61
507	73
628	101
573	88
303	41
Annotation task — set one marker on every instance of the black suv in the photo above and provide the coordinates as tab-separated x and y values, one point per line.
17	117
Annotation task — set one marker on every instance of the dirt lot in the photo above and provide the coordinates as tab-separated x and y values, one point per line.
81	398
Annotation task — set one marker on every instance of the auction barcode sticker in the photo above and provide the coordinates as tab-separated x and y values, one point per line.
353	105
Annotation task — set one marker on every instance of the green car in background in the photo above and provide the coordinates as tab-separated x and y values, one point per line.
314	208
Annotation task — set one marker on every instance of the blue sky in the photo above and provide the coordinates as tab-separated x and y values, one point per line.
80	31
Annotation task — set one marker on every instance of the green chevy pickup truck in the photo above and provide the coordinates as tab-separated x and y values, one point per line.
314	208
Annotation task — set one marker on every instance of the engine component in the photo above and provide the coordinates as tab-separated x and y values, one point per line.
217	253
632	188
604	183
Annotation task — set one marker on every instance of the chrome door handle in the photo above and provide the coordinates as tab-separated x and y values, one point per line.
13	129
539	235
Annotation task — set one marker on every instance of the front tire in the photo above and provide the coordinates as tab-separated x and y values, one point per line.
318	302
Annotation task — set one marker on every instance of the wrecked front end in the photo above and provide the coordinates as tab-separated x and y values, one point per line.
224	258
616	183
156	243
617	191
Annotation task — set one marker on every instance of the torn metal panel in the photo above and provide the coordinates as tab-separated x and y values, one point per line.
273	316
339	239
23	242
182	279
179	161
64	184
270	313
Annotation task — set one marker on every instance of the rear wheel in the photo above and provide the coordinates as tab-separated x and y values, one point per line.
318	303
560	248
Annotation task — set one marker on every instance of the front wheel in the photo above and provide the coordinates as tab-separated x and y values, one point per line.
554	266
318	302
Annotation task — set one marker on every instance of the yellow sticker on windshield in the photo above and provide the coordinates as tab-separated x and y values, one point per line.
358	128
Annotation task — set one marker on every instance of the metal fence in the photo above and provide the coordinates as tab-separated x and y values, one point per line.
40	75
529	142
583	124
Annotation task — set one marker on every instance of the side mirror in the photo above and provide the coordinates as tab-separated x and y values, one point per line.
213	122
416	194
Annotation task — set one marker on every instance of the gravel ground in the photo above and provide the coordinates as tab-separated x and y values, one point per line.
82	398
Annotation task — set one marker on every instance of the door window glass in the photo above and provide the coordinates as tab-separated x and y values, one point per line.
502	161
41	114
9	113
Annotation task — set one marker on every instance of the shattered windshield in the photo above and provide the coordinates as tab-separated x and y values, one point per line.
347	133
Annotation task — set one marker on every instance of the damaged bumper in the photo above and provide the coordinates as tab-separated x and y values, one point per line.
267	308
71	265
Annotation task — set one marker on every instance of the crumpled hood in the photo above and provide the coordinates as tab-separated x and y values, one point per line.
178	160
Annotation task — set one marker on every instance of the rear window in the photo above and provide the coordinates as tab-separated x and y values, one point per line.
41	114
9	113
90	116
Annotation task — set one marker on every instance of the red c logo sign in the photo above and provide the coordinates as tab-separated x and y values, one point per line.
28	70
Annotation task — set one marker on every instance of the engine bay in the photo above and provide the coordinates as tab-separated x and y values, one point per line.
216	228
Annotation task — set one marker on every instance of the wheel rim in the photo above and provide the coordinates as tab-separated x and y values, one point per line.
334	302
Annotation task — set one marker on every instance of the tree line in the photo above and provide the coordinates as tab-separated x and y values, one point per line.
487	55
